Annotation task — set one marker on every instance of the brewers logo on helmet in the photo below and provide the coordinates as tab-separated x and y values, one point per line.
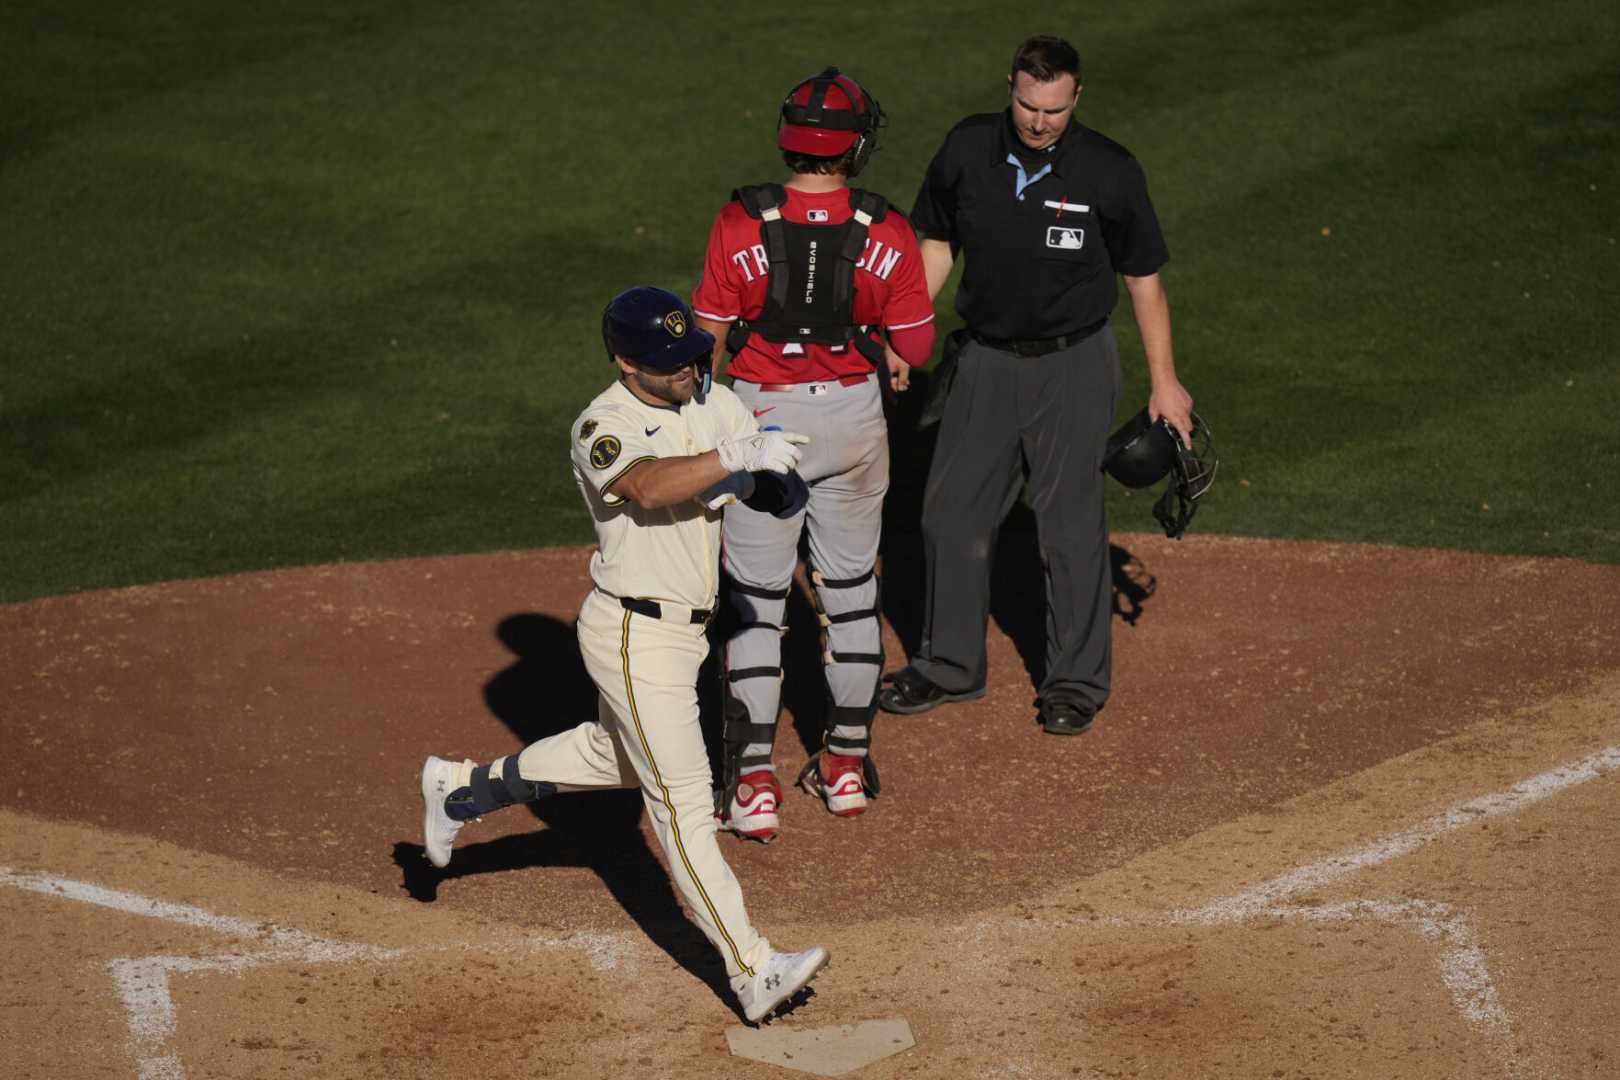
652	327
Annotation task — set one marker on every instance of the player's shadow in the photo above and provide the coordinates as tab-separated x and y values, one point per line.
545	690
804	678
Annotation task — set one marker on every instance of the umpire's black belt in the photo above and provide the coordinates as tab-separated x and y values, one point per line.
1038	346
654	610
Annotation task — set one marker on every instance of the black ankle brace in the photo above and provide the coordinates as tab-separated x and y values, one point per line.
488	792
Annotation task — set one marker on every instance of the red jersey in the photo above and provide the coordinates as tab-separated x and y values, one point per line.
890	288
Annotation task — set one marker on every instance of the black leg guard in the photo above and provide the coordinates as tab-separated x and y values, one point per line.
489	793
849	733
849	727
830	655
739	733
750	608
869	776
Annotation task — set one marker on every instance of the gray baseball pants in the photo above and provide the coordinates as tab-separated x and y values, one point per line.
1008	416
846	464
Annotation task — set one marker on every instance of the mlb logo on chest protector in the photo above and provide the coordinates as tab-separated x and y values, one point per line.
1065	239
815	217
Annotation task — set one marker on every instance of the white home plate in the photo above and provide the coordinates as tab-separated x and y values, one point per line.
827	1051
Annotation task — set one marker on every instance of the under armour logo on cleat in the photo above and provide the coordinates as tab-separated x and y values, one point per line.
772	981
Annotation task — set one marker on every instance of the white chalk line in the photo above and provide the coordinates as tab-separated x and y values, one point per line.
1464	967
1319	873
143	982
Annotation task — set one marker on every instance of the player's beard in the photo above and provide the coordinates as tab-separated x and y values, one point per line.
677	389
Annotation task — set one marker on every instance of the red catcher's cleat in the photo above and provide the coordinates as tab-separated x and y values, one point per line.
752	813
838	779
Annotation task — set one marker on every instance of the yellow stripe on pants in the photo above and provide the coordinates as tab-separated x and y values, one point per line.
669	804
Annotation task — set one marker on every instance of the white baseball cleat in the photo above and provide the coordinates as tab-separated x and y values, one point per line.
778	979
439	829
752	813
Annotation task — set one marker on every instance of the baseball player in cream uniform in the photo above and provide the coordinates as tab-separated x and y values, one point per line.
658	455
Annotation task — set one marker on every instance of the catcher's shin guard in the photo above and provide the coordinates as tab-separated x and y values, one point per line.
492	790
850	635
848	734
852	657
756	638
746	746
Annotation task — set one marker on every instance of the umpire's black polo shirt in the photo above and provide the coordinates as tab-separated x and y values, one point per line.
1043	265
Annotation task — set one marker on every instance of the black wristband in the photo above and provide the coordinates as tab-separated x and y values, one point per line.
777	494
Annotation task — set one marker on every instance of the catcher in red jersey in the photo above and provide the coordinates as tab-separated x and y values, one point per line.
818	292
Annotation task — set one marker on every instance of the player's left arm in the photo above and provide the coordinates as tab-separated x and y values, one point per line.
908	310
1167	398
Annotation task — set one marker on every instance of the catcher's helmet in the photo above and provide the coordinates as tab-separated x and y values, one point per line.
1142	452
830	115
653	327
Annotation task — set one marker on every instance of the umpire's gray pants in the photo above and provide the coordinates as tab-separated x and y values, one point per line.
1007	416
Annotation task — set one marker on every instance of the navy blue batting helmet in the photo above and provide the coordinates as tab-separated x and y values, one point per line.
653	327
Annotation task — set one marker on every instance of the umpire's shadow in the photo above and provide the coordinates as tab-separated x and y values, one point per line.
1017	588
545	690
1017	576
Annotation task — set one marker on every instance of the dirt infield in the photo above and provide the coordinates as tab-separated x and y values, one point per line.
1352	812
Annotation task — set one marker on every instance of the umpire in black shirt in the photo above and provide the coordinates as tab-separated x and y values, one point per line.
1046	212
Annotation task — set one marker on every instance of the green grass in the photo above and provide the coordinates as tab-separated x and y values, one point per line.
301	283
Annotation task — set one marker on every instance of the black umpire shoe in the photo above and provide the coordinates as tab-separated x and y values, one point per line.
1065	717
910	691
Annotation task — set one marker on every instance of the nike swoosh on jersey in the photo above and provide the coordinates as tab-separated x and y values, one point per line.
761	412
652	430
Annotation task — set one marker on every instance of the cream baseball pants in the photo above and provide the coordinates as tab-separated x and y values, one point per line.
647	735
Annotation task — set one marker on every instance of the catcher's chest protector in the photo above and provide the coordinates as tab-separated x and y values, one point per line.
810	284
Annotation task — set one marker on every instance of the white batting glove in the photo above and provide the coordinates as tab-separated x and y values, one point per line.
777	451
